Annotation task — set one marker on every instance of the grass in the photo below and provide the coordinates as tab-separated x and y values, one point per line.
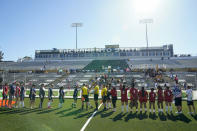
67	118
118	121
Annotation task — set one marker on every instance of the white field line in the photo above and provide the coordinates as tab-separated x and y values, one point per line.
88	121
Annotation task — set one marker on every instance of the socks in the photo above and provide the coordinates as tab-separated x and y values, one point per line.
23	104
153	110
109	105
122	108
127	108
166	108
171	108
19	104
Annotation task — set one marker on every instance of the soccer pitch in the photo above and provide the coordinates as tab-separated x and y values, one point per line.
67	118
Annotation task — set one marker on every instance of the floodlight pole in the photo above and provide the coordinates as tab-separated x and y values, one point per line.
146	21
76	25
146	37
76	37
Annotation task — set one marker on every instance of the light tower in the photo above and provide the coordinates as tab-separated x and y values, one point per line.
76	25
146	22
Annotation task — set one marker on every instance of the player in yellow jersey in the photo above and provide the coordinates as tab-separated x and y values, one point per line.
84	96
104	96
96	95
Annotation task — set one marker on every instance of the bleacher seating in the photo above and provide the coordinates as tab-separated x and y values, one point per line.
99	64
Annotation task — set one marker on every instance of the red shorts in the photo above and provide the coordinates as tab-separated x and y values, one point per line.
124	99
168	100
143	100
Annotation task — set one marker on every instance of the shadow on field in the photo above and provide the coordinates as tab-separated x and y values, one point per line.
162	117
195	117
103	115
180	117
118	117
14	110
32	111
61	112
131	116
99	112
21	111
183	118
171	117
48	111
88	114
142	116
75	112
153	116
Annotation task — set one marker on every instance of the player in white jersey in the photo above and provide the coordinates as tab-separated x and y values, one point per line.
190	102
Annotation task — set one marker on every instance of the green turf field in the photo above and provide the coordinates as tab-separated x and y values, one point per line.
73	119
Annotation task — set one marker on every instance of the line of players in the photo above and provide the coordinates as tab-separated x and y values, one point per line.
109	95
16	91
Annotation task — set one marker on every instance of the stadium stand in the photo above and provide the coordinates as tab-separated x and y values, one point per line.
100	65
49	65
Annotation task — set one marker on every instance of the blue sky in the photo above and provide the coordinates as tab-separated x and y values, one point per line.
28	25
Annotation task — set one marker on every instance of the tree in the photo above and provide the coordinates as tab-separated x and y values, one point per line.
1	56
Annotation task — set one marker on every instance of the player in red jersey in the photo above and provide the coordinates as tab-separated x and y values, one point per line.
5	94
124	98
160	99
168	98
17	94
152	96
133	98
114	97
143	96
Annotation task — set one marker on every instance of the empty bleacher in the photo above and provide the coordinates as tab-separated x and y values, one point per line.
99	64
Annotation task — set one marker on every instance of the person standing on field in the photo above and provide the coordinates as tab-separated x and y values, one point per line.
190	102
41	95
84	96
11	95
22	95
152	97
124	98
5	94
75	96
96	95
160	99
50	96
32	96
17	94
61	96
168	98
177	93
133	97
114	97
